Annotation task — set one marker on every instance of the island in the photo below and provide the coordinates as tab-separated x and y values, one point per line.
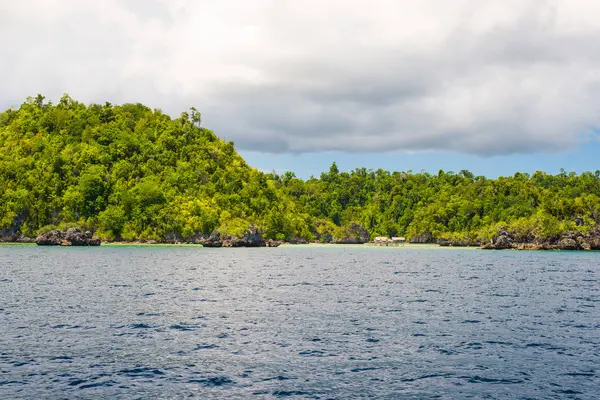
77	174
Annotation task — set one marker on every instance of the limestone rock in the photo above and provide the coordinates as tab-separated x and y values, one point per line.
214	240
71	237
567	244
50	238
353	234
425	237
444	242
297	240
503	240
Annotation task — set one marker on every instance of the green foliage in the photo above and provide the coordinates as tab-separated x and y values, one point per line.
127	172
130	172
447	205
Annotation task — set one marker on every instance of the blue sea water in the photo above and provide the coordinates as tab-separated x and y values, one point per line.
298	323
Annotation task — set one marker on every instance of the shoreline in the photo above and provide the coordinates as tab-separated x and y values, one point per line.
369	245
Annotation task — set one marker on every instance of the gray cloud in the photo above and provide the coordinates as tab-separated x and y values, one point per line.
488	77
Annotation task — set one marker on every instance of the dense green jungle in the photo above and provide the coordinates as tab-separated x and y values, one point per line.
129	172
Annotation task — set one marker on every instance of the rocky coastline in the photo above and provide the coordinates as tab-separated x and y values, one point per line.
355	234
567	241
507	240
250	238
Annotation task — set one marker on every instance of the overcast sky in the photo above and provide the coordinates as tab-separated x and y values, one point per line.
354	77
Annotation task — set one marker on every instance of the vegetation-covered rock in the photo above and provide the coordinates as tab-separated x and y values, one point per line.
423	237
354	233
250	238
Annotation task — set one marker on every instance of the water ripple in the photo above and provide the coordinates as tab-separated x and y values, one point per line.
297	323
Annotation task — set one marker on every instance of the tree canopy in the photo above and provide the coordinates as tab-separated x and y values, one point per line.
129	172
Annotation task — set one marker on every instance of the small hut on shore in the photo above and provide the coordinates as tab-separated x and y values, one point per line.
382	239
386	241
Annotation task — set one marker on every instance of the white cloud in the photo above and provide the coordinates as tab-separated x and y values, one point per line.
481	77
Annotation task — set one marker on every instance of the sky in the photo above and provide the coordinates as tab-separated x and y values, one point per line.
492	86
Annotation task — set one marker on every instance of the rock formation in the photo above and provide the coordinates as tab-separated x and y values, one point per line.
274	243
425	237
70	237
353	234
466	242
214	240
565	241
251	238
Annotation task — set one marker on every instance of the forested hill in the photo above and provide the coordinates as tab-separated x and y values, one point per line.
129	172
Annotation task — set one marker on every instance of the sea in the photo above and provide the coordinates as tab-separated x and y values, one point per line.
298	322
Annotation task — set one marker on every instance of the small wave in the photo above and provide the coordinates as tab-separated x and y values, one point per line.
59	358
587	374
296	284
184	327
289	393
25	362
98	384
144	372
591	299
312	353
65	326
213	381
136	326
568	391
277	378
447	352
427	376
364	369
546	346
206	346
499	343
481	379
6	383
